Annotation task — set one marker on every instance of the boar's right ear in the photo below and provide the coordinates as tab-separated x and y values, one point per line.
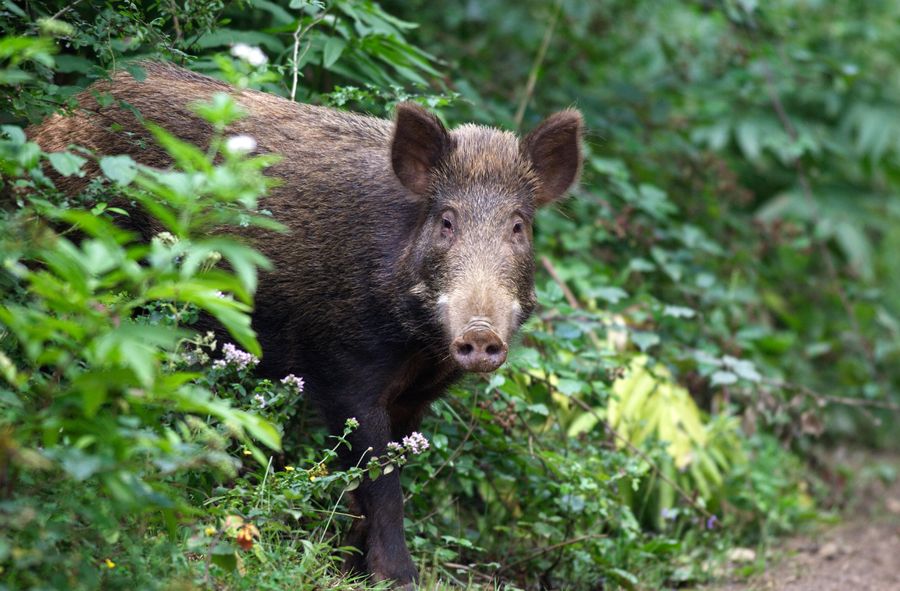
420	141
554	149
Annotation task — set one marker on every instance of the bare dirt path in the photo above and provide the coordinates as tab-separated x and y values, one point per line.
860	554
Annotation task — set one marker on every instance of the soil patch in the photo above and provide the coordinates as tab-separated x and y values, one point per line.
860	554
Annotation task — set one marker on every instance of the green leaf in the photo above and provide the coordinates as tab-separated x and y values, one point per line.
188	156
332	51
80	465
119	169
226	561
613	295
723	378
678	312
645	340
570	387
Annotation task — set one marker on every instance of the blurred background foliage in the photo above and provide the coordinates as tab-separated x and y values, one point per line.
720	298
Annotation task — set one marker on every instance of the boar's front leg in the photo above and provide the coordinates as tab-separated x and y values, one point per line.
380	534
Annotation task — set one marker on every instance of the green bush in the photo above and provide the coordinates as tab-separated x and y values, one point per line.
735	226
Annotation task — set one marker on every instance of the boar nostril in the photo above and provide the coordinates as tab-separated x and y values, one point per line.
479	350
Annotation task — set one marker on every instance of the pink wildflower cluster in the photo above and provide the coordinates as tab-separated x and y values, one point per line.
415	443
235	357
292	381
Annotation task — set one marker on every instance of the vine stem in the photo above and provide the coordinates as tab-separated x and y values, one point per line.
299	33
815	214
553	547
536	66
823	399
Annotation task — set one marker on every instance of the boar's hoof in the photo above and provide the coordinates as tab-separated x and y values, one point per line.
479	350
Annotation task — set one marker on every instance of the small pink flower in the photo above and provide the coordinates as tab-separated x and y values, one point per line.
415	443
292	381
234	356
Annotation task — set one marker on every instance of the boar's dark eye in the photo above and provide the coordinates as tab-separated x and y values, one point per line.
447	220
518	228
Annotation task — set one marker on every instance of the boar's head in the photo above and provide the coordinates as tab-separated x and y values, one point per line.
472	255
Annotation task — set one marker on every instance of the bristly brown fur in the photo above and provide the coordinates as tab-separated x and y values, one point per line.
400	233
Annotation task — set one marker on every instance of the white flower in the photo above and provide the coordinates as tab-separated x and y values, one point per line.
260	399
415	443
166	239
292	381
234	356
240	144
252	55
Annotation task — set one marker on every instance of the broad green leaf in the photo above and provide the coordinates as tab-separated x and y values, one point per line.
332	51
119	169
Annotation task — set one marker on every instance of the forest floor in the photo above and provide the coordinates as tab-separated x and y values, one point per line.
860	553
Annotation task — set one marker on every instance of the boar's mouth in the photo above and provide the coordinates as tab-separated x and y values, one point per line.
479	348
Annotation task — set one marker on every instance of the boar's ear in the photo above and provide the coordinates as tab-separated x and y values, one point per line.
419	143
554	149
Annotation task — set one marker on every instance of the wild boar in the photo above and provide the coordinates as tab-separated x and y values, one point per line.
408	261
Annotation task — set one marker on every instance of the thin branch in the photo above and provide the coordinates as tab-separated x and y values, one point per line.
469	569
536	66
65	10
456	452
553	547
824	399
569	295
299	33
809	197
175	23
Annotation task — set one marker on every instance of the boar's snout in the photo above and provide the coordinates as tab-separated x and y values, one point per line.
479	348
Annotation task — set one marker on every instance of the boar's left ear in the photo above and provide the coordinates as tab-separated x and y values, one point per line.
420	141
554	149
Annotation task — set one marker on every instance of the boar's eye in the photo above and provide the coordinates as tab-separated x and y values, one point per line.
517	228
447	224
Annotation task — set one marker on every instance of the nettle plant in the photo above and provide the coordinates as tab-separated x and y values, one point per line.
96	398
109	393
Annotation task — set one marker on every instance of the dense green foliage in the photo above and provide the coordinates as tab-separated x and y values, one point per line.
720	294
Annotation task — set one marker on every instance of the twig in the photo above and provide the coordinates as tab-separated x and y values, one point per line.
298	35
538	61
807	192
823	399
334	510
455	453
207	562
553	547
65	10
570	297
469	569
175	23
262	485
